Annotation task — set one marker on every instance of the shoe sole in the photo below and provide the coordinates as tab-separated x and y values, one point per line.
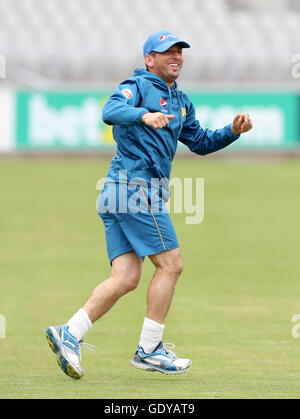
64	364
153	368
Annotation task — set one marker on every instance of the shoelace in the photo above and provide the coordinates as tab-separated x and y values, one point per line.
166	348
87	346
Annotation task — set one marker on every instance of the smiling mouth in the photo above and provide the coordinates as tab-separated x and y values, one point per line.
174	65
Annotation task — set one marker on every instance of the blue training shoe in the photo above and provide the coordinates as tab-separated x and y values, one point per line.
161	359
67	349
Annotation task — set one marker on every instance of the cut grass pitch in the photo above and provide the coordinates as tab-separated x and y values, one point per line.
233	305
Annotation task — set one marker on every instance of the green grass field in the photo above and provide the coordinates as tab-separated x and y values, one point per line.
233	305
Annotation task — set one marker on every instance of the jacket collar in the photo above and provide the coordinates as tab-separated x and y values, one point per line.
155	79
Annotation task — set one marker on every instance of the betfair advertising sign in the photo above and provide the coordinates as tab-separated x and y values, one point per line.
51	120
72	120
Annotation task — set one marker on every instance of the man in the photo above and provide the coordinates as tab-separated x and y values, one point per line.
149	115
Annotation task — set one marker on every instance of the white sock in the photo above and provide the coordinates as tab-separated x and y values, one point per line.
79	324
151	335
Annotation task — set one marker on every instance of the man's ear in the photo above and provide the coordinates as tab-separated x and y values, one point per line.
149	60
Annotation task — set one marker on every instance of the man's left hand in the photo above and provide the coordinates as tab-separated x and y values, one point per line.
241	123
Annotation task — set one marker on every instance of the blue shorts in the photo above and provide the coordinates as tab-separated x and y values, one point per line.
133	223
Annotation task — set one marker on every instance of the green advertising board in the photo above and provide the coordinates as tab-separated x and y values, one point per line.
62	120
274	116
48	120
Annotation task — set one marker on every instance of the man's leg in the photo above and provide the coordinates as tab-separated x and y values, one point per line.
65	340
169	266
125	276
152	354
160	292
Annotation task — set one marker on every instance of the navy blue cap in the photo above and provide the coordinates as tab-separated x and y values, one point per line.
161	41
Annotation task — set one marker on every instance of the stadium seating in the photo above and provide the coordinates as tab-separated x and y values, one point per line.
100	41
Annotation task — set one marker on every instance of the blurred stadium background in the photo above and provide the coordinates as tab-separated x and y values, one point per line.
64	58
240	287
100	42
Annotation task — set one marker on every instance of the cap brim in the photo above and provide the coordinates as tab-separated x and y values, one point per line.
166	45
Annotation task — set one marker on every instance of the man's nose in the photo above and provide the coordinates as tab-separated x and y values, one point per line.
175	55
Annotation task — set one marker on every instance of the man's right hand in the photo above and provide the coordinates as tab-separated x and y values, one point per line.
156	120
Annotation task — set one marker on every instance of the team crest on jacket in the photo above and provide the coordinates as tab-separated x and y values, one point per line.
163	104
127	93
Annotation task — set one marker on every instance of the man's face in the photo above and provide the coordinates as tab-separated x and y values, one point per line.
166	65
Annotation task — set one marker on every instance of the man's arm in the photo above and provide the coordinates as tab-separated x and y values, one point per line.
204	141
122	108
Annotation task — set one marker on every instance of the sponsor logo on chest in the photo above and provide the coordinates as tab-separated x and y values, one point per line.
164	105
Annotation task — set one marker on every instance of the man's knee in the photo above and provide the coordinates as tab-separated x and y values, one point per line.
179	266
170	262
130	283
124	284
127	272
176	267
